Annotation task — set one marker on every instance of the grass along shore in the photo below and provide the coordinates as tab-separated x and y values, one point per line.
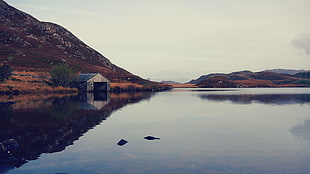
25	82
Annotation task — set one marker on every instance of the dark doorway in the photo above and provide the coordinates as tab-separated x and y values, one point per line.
100	86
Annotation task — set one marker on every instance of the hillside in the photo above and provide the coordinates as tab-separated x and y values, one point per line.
27	44
252	79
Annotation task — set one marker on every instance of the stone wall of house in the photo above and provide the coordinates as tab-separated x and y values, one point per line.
97	78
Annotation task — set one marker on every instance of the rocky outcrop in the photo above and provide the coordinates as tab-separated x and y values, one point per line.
20	30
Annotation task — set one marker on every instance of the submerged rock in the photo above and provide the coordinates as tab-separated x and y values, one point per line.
151	138
122	142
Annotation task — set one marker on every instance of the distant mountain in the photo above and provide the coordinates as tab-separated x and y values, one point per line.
241	75
170	82
285	71
29	44
220	81
203	77
252	79
305	75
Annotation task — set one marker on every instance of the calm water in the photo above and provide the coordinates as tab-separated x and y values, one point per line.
240	131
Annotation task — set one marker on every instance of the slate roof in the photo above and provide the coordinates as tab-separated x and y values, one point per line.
83	77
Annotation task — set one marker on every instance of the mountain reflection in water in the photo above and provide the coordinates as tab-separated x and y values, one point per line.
278	99
47	124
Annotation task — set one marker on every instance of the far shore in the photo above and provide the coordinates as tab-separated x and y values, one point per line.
39	83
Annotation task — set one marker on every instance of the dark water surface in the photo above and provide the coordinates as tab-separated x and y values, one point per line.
240	131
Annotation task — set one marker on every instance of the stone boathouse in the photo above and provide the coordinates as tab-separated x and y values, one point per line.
92	82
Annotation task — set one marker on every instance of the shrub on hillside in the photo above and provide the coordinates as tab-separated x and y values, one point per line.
5	72
62	75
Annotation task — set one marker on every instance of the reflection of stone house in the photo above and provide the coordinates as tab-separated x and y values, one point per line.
93	101
92	82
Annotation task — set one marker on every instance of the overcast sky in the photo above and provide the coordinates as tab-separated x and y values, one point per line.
183	39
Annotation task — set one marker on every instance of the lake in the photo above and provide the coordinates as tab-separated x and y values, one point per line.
237	131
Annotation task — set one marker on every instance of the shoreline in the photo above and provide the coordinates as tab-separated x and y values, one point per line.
63	90
8	88
26	82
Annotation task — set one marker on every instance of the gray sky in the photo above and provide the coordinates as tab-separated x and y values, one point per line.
183	39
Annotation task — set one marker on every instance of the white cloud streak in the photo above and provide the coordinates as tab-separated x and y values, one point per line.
302	41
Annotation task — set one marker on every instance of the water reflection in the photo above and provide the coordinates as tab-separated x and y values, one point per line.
47	124
93	101
302	131
278	99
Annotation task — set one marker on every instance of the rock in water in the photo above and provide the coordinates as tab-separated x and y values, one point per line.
122	142
151	138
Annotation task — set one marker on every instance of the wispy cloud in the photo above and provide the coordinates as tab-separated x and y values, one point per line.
302	41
